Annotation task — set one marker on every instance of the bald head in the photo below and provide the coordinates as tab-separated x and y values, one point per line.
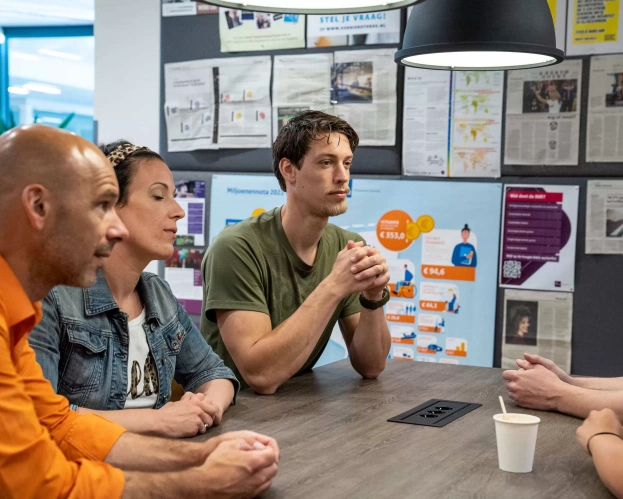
57	198
38	154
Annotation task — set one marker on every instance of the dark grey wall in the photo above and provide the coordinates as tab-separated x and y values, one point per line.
597	316
197	37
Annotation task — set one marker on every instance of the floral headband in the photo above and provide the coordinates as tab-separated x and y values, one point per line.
122	152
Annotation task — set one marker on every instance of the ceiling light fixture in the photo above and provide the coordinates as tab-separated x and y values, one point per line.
41	88
18	91
479	35
22	55
60	55
319	7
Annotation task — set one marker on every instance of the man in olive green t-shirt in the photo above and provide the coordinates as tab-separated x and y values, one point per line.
275	285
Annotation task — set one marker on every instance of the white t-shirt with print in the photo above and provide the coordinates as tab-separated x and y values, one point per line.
554	105
142	374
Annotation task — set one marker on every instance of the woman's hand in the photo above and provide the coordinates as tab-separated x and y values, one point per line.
192	415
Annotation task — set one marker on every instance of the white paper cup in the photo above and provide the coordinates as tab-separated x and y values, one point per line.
516	437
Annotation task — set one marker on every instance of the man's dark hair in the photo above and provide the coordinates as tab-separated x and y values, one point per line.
126	169
295	138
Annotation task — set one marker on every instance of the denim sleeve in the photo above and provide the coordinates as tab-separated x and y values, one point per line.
197	363
45	340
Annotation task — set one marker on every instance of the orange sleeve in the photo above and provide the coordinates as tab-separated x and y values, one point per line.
44	447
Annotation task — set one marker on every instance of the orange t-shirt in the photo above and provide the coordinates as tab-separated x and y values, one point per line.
46	449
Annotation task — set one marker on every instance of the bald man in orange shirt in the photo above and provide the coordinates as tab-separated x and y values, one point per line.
57	225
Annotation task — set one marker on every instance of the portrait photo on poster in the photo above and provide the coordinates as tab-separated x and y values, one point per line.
521	322
537	323
615	97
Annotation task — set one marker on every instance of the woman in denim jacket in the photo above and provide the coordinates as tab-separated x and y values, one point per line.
114	349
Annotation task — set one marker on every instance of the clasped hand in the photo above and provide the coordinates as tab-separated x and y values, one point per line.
360	268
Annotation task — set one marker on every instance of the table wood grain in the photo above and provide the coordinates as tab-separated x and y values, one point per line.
336	442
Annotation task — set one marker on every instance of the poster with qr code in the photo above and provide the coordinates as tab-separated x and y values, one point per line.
539	229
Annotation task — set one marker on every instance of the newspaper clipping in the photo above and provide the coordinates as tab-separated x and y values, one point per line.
358	86
244	102
363	92
218	103
471	146
605	110
425	122
604	217
538	323
476	123
189	108
300	83
543	115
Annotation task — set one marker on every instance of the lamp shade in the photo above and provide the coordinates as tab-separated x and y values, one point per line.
479	35
313	6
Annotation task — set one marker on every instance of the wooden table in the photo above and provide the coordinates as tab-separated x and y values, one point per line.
336	442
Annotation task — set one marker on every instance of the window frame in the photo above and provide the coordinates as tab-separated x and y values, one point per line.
30	32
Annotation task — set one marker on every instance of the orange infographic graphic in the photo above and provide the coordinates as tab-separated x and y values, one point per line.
403	353
402	284
428	345
456	347
439	297
450	255
429	323
397	230
403	334
399	311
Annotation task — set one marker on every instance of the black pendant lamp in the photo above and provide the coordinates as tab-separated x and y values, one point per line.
479	35
319	7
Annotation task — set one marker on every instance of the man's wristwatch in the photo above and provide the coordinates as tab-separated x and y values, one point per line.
373	305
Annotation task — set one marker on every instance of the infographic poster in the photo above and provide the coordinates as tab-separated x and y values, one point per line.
441	242
539	237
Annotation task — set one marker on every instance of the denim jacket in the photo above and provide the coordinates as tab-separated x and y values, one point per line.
82	344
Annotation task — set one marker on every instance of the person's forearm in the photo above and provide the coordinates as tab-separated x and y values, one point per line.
139	485
220	391
282	352
599	383
579	402
607	453
371	343
141	421
140	453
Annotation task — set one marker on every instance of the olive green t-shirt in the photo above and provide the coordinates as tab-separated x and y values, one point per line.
252	266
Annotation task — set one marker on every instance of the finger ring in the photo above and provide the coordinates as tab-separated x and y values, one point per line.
206	427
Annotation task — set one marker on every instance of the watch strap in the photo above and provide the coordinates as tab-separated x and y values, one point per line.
374	305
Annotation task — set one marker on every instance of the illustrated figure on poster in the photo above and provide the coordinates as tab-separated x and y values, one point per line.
464	254
440	324
452	306
407	280
519	327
